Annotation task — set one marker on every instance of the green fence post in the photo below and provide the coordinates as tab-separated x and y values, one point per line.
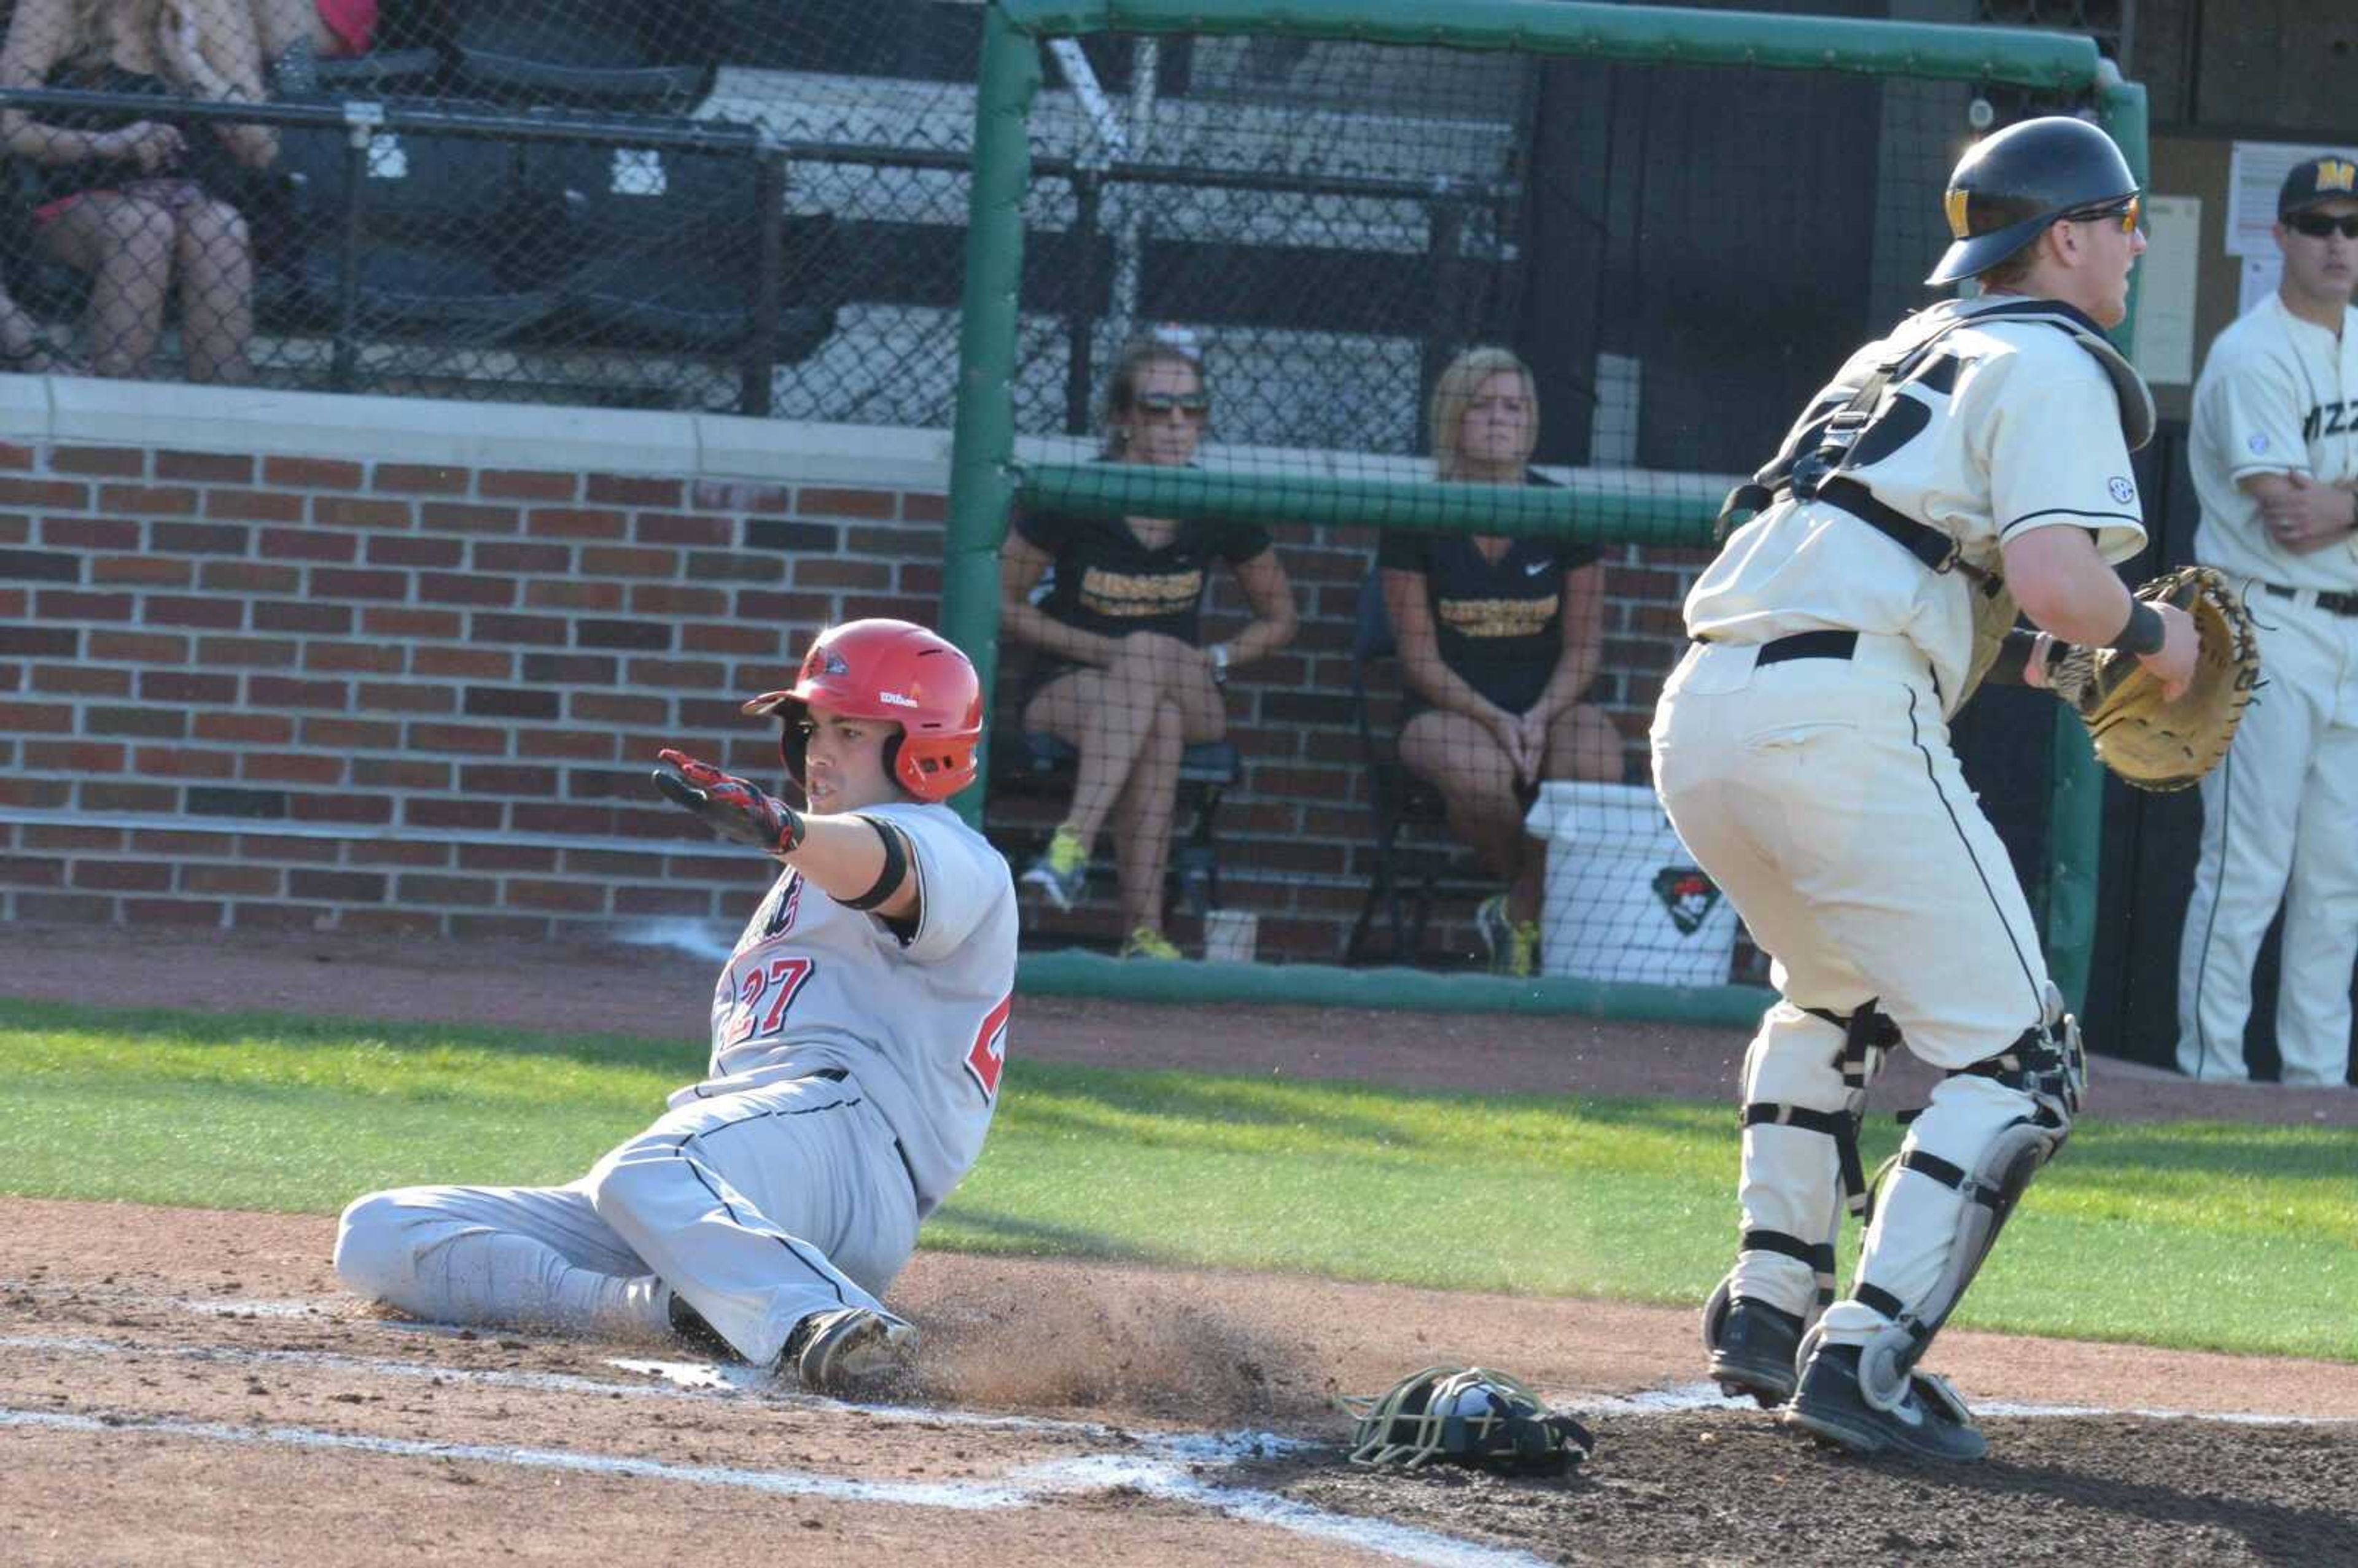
982	431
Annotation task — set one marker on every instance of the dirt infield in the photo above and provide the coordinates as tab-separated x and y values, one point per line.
190	1385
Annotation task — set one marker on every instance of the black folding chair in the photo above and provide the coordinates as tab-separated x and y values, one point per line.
1397	798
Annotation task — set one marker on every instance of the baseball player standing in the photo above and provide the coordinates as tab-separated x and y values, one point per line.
858	1033
2274	455
1975	460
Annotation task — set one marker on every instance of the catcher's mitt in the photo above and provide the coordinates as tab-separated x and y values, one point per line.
2156	745
1466	1415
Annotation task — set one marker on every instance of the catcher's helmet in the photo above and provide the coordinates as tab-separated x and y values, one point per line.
2008	188
1465	1415
894	673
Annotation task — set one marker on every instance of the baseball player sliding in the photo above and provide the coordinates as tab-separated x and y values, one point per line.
858	1033
1975	460
2274	455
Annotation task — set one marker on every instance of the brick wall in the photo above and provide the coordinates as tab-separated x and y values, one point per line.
408	678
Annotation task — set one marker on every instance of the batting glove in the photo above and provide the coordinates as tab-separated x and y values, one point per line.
729	806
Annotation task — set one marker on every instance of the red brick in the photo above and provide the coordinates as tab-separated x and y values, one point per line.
617	560
399	924
44	794
400	620
696	676
525	485
291	767
921	576
749	642
574	522
823	571
452	517
312	473
477	891
570	669
15	528
302	544
250	577
569	745
139	647
74	757
460	815
116	462
103	797
149	500
81	680
399	773
238	881
400	550
344	658
760	604
651	599
467	664
36	718
497	928
205	467
71	604
504	556
28	871
609	708
729	566
44	836
457	737
335	582
341	807
359	511
575	898
693	902
199	538
500	779
143	571
89	533
183	845
41	642
280	916
400	852
819	500
281	691
170	912
739	495
172	609
320	620
13	456
681	528
552	595
421	478
531	631
15	603
632	489
185	685
279	847
506	858
184	762
251	652
255	506
351	734
408	699
452	587
48	494
245	729
338	887
924	506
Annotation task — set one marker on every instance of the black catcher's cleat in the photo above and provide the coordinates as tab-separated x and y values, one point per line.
1755	1354
1929	1422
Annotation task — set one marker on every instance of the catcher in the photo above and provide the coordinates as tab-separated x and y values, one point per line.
1973	463
858	1033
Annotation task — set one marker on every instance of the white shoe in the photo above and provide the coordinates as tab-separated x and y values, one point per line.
851	1351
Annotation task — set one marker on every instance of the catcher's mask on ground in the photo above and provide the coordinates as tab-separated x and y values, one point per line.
894	673
1466	1415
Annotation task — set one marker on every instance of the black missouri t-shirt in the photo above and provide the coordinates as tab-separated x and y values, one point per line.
1499	624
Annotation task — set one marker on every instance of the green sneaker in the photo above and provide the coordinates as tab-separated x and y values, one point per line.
1148	943
1525	961
1513	945
1063	871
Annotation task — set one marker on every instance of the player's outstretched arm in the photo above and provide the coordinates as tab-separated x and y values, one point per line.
846	856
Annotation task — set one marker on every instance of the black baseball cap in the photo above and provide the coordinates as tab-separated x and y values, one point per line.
2318	179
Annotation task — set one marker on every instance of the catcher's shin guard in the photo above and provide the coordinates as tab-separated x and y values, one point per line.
2000	1120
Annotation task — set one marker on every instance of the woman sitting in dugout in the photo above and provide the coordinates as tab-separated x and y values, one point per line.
1120	674
1498	640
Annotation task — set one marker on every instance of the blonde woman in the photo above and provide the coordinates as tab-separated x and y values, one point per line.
138	202
1499	639
1121	676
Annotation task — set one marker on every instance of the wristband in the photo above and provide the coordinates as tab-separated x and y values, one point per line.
2145	632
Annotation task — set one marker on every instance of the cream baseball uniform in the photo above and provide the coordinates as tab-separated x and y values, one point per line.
2278	394
1820	793
853	1073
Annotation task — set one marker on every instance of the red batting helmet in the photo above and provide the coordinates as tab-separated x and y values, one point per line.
891	671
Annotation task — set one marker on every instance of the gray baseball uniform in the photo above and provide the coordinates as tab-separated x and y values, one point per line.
2278	394
853	1073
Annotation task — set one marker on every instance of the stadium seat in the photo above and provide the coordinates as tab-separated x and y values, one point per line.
1397	798
610	54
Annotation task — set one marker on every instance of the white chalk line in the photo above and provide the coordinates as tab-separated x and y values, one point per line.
1164	1465
1689	1397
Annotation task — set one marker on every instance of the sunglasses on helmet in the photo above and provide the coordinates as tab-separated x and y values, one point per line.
2317	225
2125	212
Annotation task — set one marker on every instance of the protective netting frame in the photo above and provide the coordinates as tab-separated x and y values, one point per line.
987	483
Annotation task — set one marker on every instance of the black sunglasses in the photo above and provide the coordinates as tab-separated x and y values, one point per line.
2126	212
2317	225
1172	402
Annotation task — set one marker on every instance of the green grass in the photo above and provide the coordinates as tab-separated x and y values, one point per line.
2190	1234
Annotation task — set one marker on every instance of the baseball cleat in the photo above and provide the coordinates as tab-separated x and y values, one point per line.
1755	1353
849	1352
1929	1422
